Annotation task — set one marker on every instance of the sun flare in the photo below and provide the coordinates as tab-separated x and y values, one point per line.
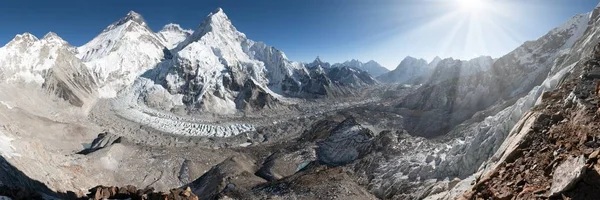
471	6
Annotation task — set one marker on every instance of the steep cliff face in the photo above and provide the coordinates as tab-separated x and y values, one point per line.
562	137
459	89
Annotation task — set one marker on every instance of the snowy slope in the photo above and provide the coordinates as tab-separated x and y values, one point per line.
372	67
49	62
173	34
26	57
218	69
122	52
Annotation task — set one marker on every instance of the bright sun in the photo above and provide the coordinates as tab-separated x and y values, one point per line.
471	6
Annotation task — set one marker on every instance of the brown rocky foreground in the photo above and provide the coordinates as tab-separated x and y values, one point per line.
558	155
107	192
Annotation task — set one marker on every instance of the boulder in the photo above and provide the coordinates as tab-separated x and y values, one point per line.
567	174
230	177
131	192
103	140
348	141
286	163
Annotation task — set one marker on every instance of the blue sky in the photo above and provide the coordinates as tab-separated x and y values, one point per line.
337	30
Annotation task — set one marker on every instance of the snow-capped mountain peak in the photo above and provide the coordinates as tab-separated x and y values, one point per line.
216	22
319	63
173	34
130	17
53	38
175	28
22	39
27	36
121	52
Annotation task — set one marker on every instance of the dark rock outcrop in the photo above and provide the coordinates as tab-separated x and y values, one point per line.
233	177
131	192
103	140
347	142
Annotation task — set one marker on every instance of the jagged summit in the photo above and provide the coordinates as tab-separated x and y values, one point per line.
134	14
216	22
318	59
121	52
372	67
22	40
318	63
25	37
218	10
130	17
50	35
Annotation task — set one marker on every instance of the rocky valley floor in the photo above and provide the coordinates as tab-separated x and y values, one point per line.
211	114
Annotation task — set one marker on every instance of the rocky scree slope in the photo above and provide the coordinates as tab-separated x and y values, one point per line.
444	167
556	156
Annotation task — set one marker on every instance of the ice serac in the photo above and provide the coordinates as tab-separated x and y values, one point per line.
122	52
372	67
173	34
49	62
410	71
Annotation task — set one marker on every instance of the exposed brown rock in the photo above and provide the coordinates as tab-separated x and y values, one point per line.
550	161
131	192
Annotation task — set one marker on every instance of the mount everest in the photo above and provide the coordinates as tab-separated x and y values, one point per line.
230	117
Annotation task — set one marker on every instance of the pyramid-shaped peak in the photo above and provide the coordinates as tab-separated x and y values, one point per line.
218	10
436	59
131	16
217	23
318	59
53	38
51	35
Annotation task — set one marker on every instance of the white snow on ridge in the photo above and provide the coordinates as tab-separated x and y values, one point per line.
575	27
173	34
26	58
7	105
121	53
6	149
